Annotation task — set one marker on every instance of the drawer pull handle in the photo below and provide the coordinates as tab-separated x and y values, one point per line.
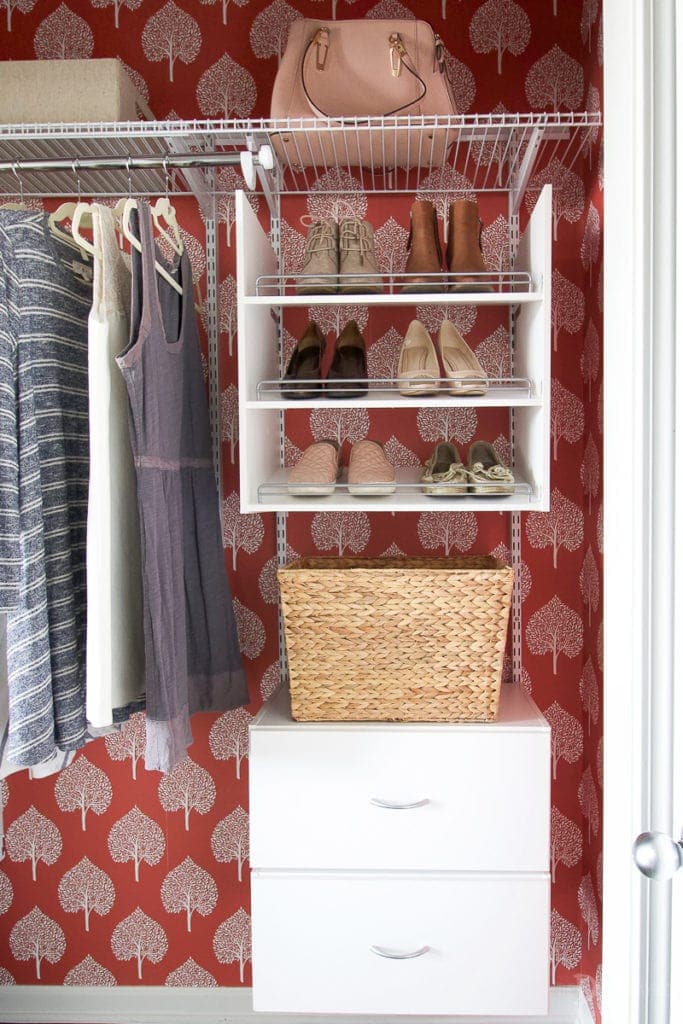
392	806
396	954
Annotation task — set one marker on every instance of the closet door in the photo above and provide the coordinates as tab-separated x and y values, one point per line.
643	855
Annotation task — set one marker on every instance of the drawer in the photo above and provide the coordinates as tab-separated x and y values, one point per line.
400	798
324	942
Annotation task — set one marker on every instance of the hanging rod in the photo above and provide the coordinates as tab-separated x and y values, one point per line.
264	159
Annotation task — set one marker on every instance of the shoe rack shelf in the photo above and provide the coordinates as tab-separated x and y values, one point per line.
504	298
506	288
386	395
262	405
274	496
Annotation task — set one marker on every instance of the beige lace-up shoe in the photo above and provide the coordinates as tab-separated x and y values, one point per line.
357	264
317	471
464	371
321	260
370	471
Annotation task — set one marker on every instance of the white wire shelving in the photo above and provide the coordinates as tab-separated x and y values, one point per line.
409	496
481	153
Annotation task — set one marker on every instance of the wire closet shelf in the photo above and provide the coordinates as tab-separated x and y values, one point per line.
463	153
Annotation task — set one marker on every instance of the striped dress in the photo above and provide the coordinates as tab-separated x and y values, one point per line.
44	306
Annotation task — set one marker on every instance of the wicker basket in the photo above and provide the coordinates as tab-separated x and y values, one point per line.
410	639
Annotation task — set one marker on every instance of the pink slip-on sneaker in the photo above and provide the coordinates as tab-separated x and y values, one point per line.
370	471
317	471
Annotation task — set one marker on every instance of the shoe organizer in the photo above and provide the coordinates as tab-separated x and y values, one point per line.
265	296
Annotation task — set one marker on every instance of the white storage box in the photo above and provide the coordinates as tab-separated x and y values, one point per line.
68	91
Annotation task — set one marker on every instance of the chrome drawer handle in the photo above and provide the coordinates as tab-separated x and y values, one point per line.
396	954
390	805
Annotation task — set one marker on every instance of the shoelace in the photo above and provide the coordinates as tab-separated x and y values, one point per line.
320	238
456	472
497	472
354	236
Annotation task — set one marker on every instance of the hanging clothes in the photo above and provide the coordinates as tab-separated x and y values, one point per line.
115	679
45	298
192	653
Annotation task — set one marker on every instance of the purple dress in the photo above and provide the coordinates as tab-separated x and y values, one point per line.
192	658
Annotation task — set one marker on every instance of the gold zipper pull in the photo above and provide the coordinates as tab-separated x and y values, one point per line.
397	52
322	45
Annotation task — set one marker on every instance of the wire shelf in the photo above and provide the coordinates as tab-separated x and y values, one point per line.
498	391
475	283
457	154
481	152
408	490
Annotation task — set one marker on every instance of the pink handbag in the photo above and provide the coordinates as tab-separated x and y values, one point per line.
368	70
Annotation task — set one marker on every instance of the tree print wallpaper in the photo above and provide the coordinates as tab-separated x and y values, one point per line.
113	875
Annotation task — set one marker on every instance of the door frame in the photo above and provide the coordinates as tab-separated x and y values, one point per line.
639	491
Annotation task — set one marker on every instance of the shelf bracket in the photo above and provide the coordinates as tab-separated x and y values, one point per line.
262	159
525	168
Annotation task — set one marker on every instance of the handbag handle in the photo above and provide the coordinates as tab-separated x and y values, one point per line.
397	55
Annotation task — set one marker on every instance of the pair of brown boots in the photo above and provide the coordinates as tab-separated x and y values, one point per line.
463	250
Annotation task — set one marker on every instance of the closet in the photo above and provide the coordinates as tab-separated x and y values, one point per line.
500	154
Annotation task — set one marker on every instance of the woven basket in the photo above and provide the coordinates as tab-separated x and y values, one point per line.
410	639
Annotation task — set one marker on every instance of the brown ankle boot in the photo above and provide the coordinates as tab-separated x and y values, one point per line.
425	249
463	253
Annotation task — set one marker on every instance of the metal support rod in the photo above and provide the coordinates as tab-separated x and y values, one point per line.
213	338
515	517
124	163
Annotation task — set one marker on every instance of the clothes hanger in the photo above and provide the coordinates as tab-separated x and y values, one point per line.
163	209
82	214
118	218
65	212
14	206
129	206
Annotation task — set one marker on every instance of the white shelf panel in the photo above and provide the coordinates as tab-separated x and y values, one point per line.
380	398
273	496
403	299
263	484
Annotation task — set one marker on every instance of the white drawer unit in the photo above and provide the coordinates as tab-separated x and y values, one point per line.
401	867
401	796
423	943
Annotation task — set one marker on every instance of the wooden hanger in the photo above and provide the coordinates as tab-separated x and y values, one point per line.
129	206
164	210
64	212
82	214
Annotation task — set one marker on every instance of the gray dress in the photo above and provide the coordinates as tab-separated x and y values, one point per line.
192	659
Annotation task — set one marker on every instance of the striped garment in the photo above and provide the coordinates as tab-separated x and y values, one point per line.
44	307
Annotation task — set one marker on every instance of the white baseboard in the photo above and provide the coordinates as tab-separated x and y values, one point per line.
57	1004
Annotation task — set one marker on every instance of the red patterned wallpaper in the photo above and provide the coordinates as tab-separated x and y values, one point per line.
106	858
